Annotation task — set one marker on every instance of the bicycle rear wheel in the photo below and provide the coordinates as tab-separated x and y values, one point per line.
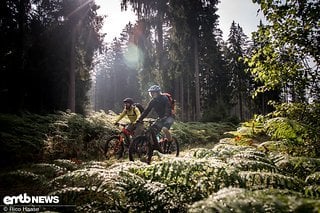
140	148
171	147
113	147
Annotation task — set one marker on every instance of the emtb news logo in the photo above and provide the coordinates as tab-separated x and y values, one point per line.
26	199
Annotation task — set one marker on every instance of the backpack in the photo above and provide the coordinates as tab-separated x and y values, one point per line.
171	101
139	106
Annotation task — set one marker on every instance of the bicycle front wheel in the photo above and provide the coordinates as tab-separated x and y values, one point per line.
140	148
171	147
114	147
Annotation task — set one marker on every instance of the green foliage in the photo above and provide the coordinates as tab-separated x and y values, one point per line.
193	133
241	200
262	178
144	195
76	136
252	161
313	191
292	128
22	137
314	178
302	120
298	166
284	128
191	179
200	178
285	47
31	137
18	181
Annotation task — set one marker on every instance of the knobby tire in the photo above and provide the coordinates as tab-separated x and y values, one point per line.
171	147
113	147
140	148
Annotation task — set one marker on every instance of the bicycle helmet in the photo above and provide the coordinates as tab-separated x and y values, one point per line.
154	88
128	100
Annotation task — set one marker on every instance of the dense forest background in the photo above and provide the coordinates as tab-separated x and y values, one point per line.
53	58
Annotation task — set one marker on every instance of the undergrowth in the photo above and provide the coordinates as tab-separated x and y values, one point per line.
264	166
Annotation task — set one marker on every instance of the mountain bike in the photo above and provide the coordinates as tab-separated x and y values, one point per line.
117	145
142	147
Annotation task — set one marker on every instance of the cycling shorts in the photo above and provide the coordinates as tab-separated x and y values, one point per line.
167	122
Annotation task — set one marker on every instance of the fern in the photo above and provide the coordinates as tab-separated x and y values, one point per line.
202	153
314	178
46	169
284	128
312	191
80	199
249	160
145	196
298	166
20	181
193	178
241	200
252	165
67	164
195	133
261	180
276	146
227	200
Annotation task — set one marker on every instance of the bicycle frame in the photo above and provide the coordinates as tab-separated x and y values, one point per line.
152	132
143	146
124	134
116	144
159	141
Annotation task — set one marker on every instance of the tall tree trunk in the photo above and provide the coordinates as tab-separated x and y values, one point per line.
164	76
72	78
18	90
240	106
188	108
197	81
182	104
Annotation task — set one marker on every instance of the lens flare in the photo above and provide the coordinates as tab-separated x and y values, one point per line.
133	56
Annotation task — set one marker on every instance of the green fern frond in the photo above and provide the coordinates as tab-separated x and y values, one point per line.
46	169
228	150
251	165
80	198
22	177
242	201
312	191
67	164
284	128
197	178
276	146
261	180
84	178
251	155
144	196
298	166
313	178
277	157
95	165
227	200
20	181
249	160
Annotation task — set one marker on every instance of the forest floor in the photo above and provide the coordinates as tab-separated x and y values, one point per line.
220	167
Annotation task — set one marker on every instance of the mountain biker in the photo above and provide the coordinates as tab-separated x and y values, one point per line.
160	103
133	113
